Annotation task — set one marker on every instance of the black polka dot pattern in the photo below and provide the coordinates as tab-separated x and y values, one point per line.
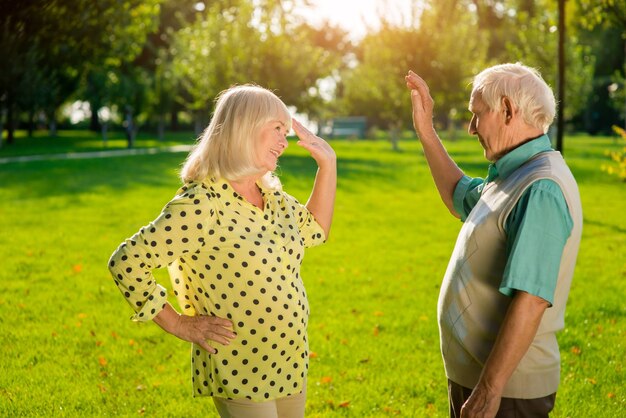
228	258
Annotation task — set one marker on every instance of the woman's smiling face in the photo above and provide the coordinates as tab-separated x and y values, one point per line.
271	144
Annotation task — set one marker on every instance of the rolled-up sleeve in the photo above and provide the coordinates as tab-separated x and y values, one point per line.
181	228
466	195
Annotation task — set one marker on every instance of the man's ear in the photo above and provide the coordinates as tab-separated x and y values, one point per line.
507	108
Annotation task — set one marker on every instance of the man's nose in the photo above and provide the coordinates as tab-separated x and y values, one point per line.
471	128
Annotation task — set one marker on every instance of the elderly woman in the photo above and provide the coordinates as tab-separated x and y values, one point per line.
503	296
233	243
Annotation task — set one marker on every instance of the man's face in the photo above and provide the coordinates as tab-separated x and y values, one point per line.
488	126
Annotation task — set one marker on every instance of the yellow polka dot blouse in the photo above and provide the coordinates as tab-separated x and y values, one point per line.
228	258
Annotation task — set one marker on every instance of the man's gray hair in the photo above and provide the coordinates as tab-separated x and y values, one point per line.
524	86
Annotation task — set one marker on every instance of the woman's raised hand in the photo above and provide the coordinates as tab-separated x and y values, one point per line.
320	150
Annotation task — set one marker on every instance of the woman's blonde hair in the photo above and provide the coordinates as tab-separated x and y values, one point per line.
524	86
227	147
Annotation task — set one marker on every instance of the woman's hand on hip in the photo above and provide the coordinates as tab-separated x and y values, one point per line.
200	329
320	150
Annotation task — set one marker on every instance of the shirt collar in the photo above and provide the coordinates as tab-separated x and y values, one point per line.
515	158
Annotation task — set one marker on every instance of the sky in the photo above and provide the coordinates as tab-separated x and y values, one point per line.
357	15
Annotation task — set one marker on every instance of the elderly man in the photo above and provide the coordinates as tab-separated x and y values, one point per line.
504	292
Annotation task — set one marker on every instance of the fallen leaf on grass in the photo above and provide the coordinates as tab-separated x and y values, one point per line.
102	387
610	395
376	331
326	379
391	410
77	268
344	404
102	361
591	380
576	350
313	354
114	335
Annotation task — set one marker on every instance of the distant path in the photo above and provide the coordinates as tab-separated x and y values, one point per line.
95	154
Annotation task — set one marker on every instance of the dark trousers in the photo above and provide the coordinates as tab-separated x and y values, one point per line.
509	407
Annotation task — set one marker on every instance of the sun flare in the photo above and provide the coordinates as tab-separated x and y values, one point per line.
360	16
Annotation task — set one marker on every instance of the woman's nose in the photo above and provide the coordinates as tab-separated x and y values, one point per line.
283	141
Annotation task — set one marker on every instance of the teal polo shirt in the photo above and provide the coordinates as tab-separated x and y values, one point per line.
537	227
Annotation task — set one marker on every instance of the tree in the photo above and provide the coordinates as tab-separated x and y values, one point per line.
216	51
607	20
48	45
236	42
128	23
157	59
443	47
536	45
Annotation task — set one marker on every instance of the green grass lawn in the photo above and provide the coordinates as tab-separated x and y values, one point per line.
69	348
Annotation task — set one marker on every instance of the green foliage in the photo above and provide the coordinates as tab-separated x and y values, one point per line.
47	47
602	12
236	43
161	57
535	45
376	88
618	168
69	348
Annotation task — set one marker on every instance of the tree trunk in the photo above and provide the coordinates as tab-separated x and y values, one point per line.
394	133
3	113
10	121
51	115
198	123
561	78
31	122
105	126
94	124
129	126
161	127
452	129
53	128
174	119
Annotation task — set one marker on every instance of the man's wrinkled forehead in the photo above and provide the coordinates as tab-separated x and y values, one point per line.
476	102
